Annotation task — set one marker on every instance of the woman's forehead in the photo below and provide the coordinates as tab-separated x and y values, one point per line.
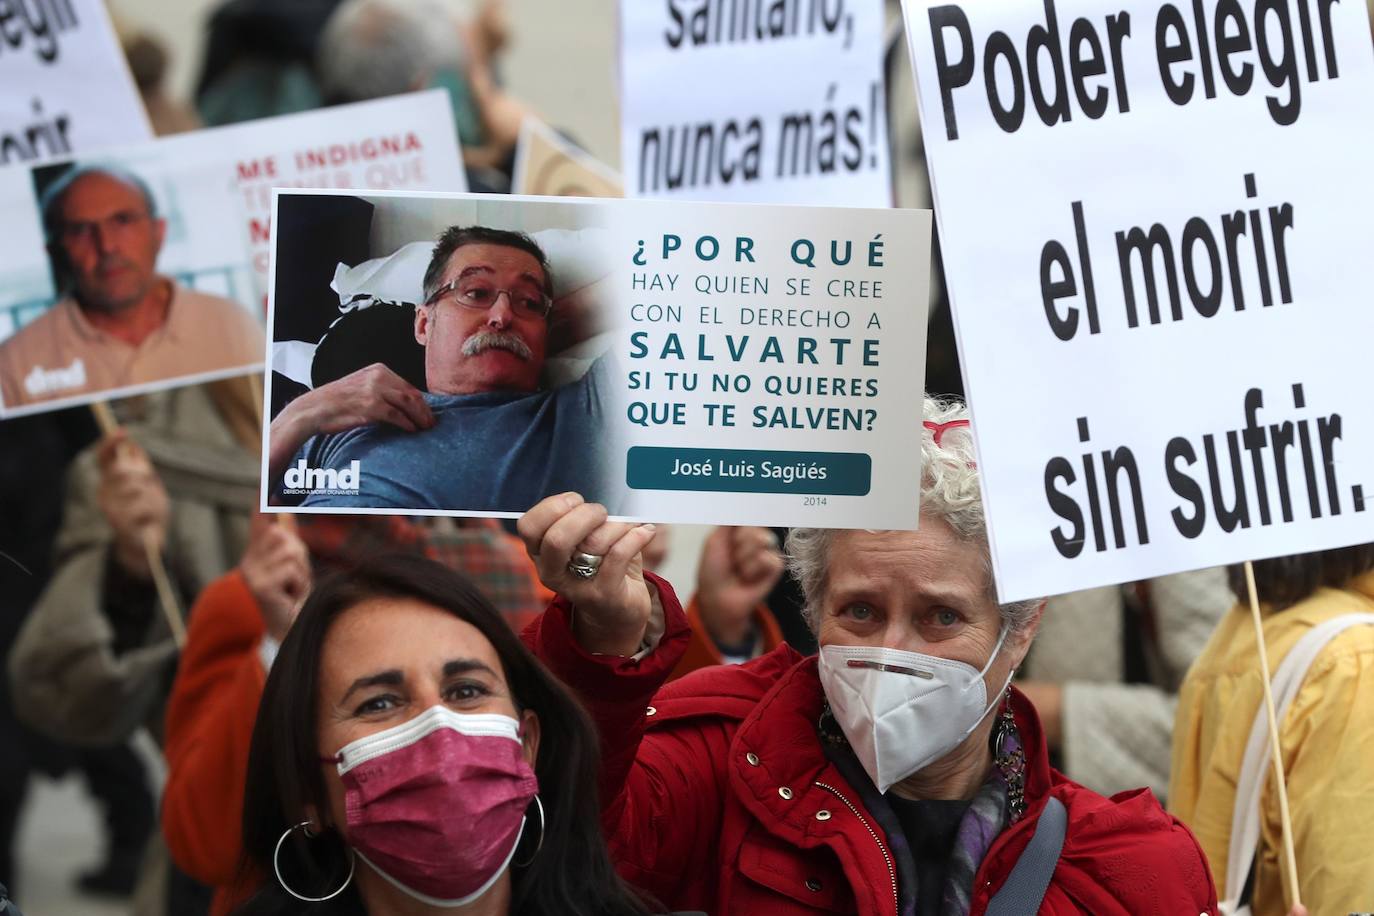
932	560
403	634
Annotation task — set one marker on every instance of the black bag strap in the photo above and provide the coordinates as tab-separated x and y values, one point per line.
1030	877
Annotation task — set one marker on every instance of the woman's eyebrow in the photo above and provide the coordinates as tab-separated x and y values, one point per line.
951	596
391	678
857	590
466	666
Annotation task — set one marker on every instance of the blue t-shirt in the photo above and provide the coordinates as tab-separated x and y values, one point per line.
497	451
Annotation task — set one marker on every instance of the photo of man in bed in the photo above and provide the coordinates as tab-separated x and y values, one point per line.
485	436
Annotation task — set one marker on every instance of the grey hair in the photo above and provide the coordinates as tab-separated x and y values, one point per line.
949	491
375	48
50	203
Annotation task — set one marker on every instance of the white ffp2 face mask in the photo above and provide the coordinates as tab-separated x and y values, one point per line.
902	711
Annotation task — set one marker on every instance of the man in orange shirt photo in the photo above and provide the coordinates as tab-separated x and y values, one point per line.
118	322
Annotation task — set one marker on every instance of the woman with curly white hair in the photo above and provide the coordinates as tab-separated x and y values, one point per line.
896	772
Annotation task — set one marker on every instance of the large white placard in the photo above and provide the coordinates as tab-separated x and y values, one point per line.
764	102
67	87
1154	219
674	361
212	191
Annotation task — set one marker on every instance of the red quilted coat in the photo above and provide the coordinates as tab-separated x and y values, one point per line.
717	797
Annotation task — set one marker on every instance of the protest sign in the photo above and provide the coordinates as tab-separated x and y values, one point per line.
549	166
1151	218
68	88
767	101
105	253
679	362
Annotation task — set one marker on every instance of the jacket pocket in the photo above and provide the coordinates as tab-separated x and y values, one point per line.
811	879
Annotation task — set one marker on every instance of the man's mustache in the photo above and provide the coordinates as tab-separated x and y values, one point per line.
497	340
111	262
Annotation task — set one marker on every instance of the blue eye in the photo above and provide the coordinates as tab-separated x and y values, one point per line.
860	612
945	617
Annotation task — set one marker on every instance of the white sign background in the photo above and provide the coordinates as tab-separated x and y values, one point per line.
833	79
68	88
1000	197
214	187
406	142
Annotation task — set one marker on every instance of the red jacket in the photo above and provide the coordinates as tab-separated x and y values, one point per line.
718	797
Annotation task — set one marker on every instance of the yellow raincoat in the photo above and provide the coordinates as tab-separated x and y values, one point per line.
1327	740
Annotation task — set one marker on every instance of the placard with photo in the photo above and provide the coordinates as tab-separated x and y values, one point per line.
145	267
680	362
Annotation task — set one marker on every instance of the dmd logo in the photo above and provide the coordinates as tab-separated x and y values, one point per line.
47	381
304	480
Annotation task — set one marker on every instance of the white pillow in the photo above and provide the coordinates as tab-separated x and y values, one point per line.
398	277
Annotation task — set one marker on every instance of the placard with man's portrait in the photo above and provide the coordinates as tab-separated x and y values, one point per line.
145	267
470	355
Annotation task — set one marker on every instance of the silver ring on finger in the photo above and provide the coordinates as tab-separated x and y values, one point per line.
584	565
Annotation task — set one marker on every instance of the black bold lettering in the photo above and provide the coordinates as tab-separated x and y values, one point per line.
1113	465
1118	30
1081	68
1232	229
649	140
1228	13
1281	435
1282	68
1324	13
1197	230
1238	513
675	40
1046	38
951	76
1185	486
1137	240
1051	290
1064	506
1180	92
1281	220
1009	119
1328	431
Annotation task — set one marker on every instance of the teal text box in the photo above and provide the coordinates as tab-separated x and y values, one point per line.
724	470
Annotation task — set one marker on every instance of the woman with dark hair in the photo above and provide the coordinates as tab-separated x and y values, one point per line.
410	756
1317	613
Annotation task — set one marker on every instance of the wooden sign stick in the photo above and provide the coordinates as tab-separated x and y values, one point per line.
1290	860
167	598
255	386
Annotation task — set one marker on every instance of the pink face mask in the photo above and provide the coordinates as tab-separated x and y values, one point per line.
436	805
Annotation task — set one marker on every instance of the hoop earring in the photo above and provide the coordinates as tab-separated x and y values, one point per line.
540	845
276	866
